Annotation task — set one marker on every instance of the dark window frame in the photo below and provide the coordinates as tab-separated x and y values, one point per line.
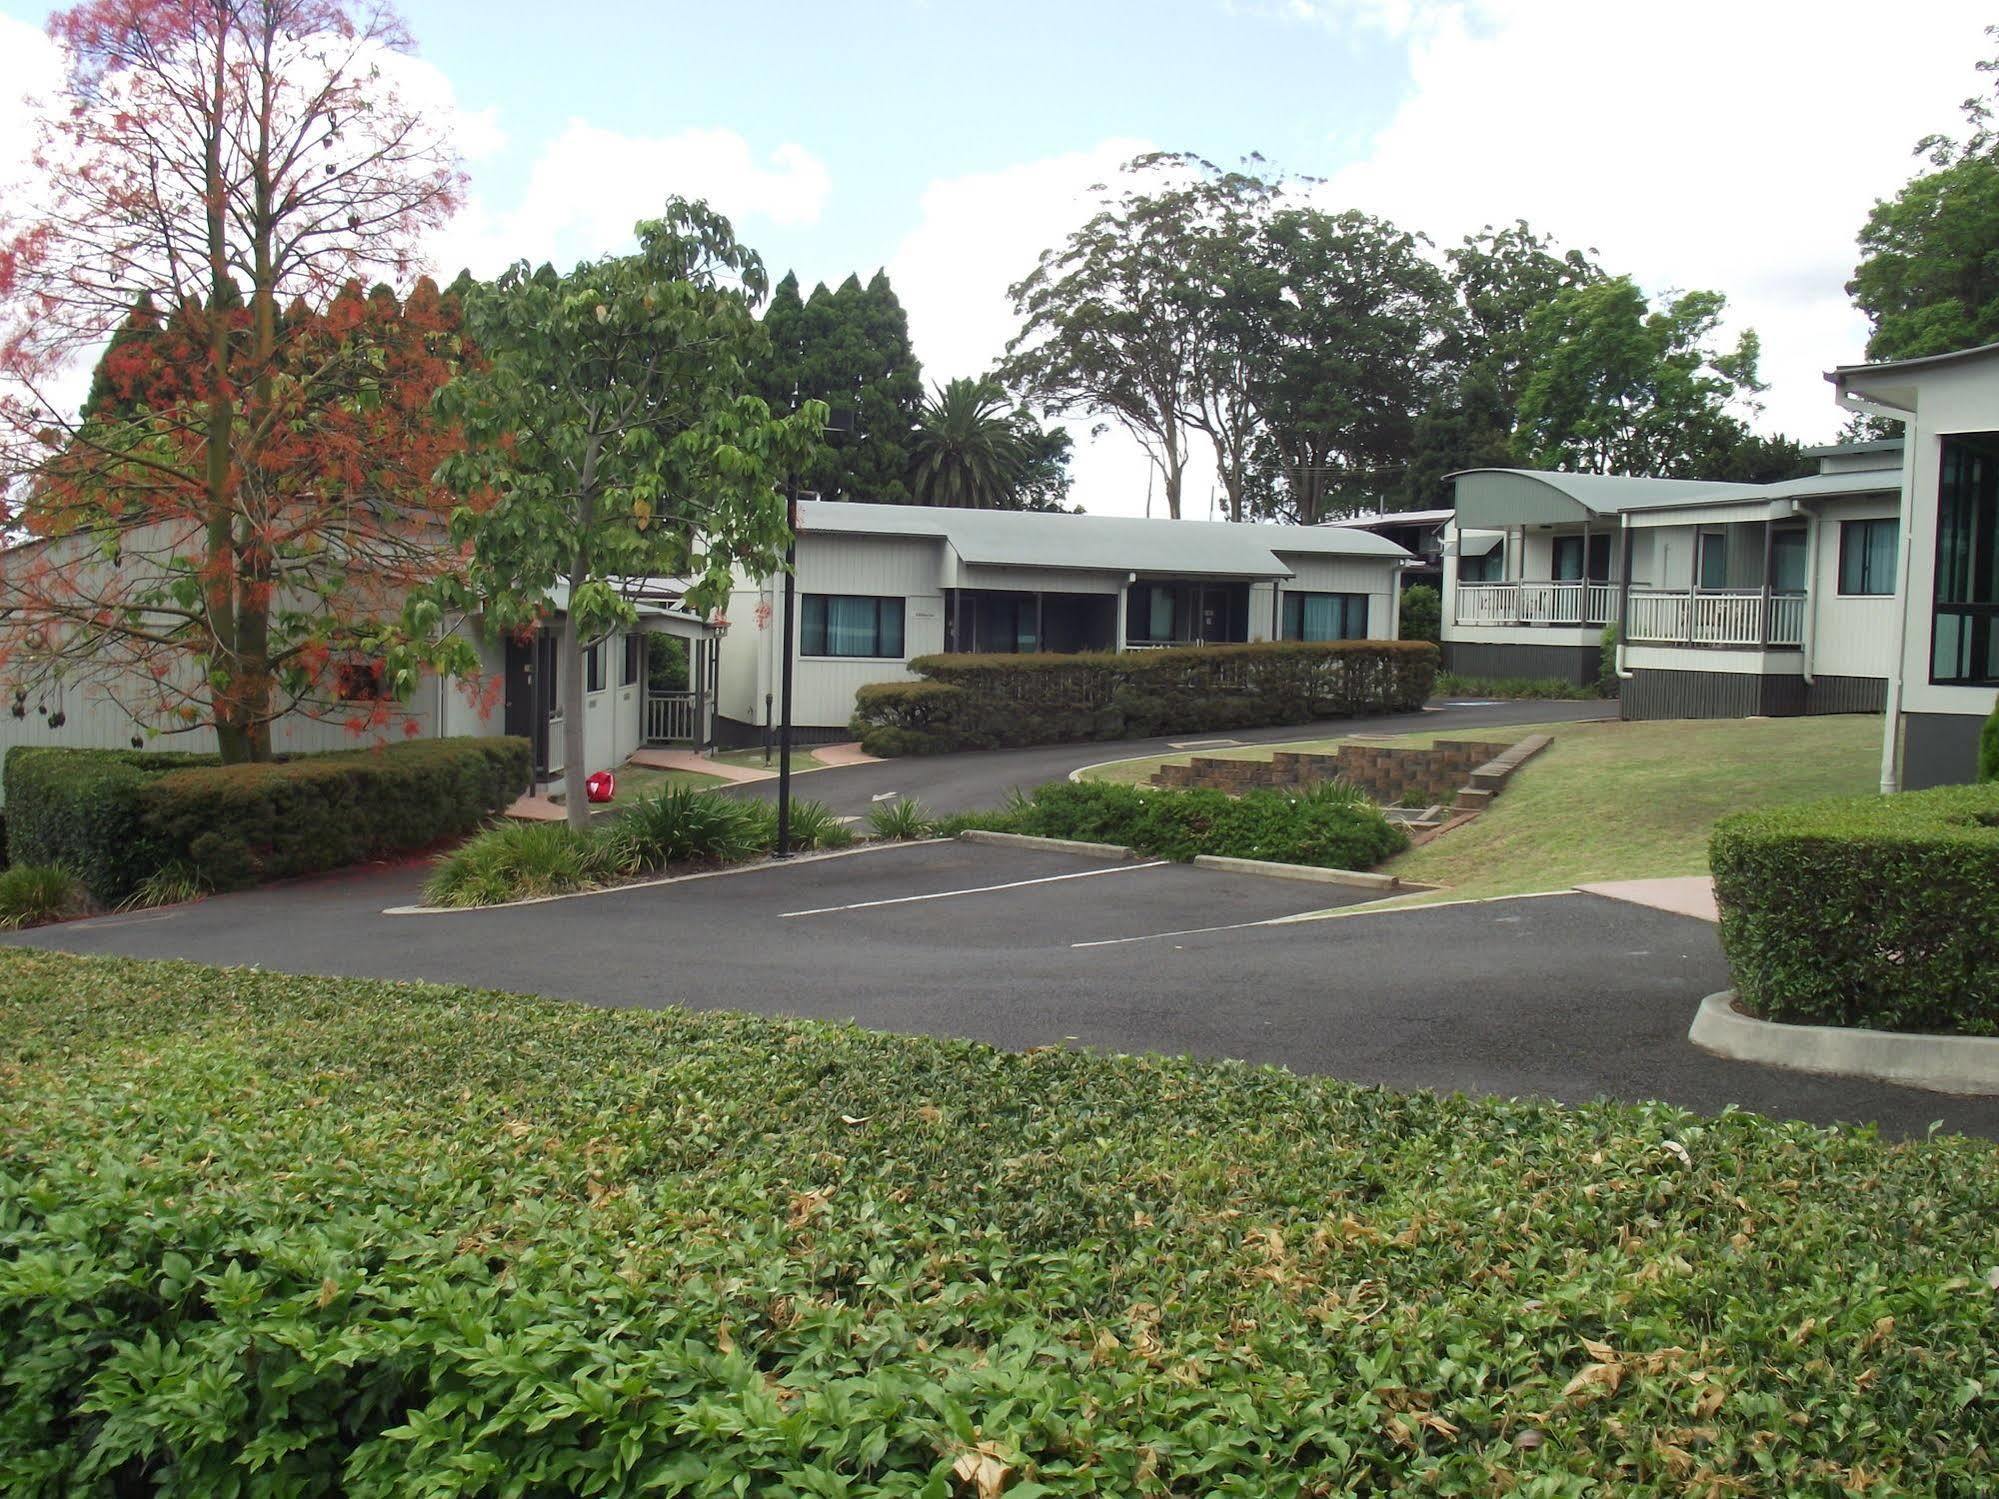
593	666
1291	618
815	627
635	655
1977	612
1864	527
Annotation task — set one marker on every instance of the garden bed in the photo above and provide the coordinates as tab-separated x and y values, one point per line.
401	1237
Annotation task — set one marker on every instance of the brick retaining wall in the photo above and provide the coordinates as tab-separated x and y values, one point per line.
1387	774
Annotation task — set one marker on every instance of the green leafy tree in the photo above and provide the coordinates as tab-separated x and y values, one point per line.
1928	277
850	348
973	449
1422	613
1617	386
1502	277
1115	322
1352	321
613	434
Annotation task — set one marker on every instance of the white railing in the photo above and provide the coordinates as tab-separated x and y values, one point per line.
1716	617
669	717
1536	603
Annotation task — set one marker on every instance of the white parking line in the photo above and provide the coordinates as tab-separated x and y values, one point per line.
1046	879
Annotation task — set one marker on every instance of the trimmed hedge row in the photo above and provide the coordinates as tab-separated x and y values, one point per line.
113	817
1004	701
1880	912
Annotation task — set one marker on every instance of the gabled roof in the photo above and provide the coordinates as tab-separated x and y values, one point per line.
1500	497
1394	518
1098	543
1894	383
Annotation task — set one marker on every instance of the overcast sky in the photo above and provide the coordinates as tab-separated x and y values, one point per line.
1732	144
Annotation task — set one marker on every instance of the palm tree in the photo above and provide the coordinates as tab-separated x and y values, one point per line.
968	450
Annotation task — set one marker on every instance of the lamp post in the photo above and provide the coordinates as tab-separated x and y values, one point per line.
839	425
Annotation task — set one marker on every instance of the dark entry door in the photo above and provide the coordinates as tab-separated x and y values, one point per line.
531	694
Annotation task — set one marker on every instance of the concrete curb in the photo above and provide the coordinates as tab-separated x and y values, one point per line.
1053	845
1939	1064
1313	872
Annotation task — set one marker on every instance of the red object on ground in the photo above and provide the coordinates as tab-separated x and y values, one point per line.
602	786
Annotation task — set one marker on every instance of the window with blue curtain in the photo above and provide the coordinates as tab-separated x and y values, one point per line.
1787	560
1325	616
1867	550
843	624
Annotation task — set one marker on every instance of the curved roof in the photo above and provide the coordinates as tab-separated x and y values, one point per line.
1099	543
1489	497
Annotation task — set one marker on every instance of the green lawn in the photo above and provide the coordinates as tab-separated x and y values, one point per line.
1632	801
265	1233
1611	800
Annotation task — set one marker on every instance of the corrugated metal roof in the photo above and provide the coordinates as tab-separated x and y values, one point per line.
1497	496
1098	543
1394	518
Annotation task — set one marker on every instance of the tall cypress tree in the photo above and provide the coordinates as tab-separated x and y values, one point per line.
850	348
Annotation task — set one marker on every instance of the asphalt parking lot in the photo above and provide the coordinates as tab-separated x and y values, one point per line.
1572	997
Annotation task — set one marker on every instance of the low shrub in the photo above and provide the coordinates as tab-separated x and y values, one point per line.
813	825
1422	613
31	894
268	1234
521	861
1000	701
680	825
1334	829
1512	689
900	819
1988	748
1868	911
116	817
169	886
1606	667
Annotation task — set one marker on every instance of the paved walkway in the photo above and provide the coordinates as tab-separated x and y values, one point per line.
1572	997
1689	895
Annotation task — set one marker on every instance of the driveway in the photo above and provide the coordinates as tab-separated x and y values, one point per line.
1570	997
982	778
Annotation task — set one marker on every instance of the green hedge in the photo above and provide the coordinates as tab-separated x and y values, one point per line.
113	817
1872	911
1988	748
1334	830
262	1234
1004	701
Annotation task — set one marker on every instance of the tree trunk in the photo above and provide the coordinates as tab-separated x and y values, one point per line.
576	796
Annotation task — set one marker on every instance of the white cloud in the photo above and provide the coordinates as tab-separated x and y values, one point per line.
977	235
30	66
1717	143
588	186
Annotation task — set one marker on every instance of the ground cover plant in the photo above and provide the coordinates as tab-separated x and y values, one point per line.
676	827
1334	826
1876	911
321	1236
31	894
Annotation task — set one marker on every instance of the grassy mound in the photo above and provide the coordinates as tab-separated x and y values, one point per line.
319	1236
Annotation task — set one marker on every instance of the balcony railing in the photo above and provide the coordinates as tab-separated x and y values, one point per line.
1530	603
670	717
1701	616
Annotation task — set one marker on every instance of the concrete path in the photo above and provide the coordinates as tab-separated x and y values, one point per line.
1689	895
1571	997
700	765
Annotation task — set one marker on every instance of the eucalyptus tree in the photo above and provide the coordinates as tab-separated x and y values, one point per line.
611	433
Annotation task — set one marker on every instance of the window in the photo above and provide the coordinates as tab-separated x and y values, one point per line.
1787	560
635	659
593	668
1574	561
1490	567
1867	555
1325	616
839	624
1964	641
1711	560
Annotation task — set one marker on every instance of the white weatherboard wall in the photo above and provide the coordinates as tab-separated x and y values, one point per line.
1318	574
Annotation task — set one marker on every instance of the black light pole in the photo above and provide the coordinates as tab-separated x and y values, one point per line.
839	425
784	687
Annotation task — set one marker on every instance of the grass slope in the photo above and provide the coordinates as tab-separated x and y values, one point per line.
1628	801
371	1239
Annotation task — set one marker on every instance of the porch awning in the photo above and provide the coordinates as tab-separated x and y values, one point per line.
1479	544
1495	498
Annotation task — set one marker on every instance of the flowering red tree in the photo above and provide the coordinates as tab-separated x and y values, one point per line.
246	496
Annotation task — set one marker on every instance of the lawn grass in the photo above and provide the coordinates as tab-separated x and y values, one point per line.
1632	801
407	1238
